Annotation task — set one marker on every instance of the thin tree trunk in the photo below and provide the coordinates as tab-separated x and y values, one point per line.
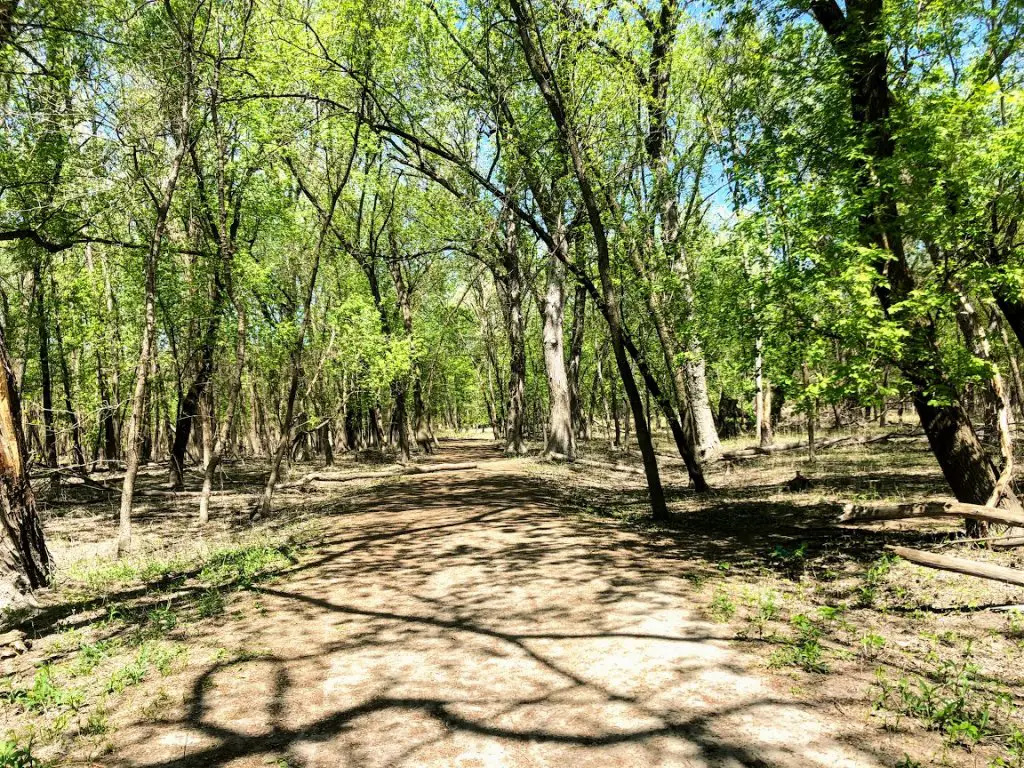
234	395
811	414
576	336
766	436
142	370
42	328
69	406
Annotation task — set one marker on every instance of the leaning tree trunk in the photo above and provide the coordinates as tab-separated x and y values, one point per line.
544	77
856	36
561	440
24	560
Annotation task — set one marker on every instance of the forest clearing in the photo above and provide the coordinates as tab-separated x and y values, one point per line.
511	383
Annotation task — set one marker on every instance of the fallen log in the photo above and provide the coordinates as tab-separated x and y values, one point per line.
832	442
613	467
424	469
869	513
1006	542
414	469
962	565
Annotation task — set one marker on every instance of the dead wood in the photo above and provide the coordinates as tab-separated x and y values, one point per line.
962	565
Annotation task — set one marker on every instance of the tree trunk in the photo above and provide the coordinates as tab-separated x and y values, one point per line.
234	395
561	439
188	408
69	406
767	436
857	38
42	328
576	336
515	325
1018	382
24	559
810	414
146	353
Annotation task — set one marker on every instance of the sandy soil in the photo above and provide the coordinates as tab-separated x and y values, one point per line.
461	619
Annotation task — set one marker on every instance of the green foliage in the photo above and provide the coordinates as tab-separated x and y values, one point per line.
244	566
16	755
803	651
722	606
45	694
951	700
873	579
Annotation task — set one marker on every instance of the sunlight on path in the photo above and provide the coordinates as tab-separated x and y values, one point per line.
458	620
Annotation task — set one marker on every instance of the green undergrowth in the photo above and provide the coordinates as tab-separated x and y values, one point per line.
142	617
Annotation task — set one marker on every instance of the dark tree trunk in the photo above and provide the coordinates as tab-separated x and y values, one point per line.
69	406
576	336
42	327
189	407
24	559
857	38
515	326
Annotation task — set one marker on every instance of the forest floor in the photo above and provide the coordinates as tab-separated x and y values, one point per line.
520	613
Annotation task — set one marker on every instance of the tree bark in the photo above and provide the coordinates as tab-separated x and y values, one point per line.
515	326
962	565
188	408
561	438
142	370
857	36
25	562
576	337
544	76
1018	382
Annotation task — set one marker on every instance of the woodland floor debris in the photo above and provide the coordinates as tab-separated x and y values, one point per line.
522	611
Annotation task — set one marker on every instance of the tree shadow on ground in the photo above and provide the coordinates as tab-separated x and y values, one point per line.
499	615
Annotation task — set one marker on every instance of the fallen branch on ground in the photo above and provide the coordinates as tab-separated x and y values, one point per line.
868	513
962	565
413	469
613	467
819	445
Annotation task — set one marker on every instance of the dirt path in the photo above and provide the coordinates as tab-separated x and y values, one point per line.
459	620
